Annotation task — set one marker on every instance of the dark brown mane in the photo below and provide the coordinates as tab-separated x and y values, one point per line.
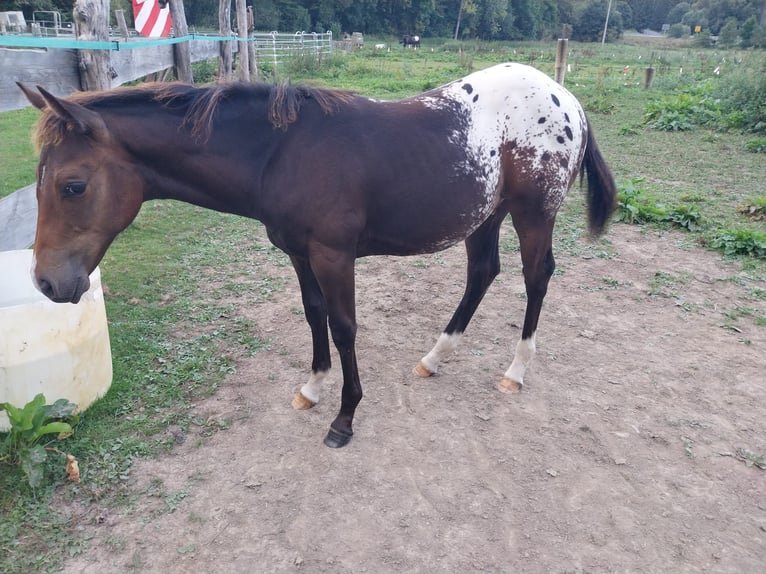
199	104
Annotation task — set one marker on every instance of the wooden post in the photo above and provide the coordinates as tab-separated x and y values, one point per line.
561	60
648	77
251	45
119	15
244	62
225	59
181	51
91	22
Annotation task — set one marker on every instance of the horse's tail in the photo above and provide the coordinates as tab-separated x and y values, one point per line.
602	191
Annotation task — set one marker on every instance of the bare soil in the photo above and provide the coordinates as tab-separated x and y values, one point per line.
633	447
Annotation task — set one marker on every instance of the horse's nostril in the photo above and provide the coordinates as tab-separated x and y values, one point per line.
45	288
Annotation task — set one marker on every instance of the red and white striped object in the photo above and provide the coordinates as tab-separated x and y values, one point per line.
151	20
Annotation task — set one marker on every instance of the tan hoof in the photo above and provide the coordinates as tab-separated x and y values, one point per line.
421	371
301	403
507	385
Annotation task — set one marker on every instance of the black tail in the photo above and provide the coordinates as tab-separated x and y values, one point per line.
602	191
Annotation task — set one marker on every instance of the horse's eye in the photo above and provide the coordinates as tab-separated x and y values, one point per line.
74	188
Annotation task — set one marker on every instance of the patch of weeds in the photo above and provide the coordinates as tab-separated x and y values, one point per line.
755	209
683	111
211	426
600	104
114	543
173	499
748	457
607	283
663	284
693	198
635	206
738	312
686	307
630	130
757	145
740	242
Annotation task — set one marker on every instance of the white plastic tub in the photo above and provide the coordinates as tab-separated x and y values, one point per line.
58	349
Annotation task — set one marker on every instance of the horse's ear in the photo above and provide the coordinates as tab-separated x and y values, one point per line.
34	98
82	119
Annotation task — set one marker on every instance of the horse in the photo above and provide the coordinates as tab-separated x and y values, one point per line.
410	40
332	176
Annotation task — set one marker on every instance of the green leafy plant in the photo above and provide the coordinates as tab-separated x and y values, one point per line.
740	242
685	216
30	425
757	145
692	107
635	206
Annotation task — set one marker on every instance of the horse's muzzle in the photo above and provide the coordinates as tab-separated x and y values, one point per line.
69	290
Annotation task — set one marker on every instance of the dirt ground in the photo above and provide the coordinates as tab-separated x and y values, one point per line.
631	448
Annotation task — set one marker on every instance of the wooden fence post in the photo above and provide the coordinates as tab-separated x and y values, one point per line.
119	15
561	60
251	56
91	22
244	62
181	51
648	77
225	60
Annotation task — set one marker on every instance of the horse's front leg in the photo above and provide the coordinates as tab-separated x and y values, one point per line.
334	271
315	309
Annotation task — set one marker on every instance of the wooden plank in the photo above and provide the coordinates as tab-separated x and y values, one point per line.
54	69
133	64
18	219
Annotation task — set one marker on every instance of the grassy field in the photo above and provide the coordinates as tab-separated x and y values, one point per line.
172	346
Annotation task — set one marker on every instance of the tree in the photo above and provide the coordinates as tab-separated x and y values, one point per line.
676	13
589	26
626	12
746	32
727	37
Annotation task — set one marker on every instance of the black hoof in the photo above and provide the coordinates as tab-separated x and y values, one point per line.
337	439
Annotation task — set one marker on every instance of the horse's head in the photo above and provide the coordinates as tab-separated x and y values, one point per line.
87	192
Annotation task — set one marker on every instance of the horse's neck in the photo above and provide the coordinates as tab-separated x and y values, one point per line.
183	166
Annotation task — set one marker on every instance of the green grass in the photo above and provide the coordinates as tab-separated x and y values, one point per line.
172	275
17	158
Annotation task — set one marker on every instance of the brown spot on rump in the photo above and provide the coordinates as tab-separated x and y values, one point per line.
555	100
468	88
568	132
541	120
476	97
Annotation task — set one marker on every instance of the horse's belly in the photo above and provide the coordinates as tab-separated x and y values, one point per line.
421	226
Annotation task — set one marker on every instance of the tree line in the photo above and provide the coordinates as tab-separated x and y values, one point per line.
467	19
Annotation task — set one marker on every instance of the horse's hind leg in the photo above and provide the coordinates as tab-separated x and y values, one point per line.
535	240
315	307
483	267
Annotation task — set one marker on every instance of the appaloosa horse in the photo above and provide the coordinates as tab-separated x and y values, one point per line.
332	176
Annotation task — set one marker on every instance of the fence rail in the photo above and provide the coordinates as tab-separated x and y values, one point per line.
53	62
